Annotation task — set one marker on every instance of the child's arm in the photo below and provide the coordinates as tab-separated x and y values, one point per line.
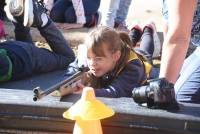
132	76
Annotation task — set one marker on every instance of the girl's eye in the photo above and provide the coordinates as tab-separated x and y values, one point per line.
95	60
98	59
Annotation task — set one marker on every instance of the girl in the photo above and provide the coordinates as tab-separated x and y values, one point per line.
114	67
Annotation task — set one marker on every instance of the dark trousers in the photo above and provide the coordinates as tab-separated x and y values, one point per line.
2	13
146	47
146	44
43	60
64	12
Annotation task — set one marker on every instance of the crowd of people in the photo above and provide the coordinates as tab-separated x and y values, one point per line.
119	59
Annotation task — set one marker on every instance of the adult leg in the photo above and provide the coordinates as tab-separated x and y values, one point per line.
122	11
57	13
90	8
22	33
70	16
187	87
109	10
165	17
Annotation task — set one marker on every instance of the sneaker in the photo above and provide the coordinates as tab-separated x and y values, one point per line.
28	12
121	27
96	18
157	43
40	14
135	34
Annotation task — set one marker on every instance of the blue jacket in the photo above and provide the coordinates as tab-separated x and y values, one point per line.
131	76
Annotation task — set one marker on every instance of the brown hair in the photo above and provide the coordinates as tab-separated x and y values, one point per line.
114	40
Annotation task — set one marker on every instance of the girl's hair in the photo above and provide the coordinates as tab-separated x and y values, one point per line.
115	41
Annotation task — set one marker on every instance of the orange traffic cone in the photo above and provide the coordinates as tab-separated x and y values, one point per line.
87	112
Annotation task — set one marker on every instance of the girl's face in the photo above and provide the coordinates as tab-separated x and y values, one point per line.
100	65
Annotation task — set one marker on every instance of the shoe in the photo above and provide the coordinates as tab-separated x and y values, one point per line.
135	34
40	14
28	12
20	11
96	18
157	43
121	27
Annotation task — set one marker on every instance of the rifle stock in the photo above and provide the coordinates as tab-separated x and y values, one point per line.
38	93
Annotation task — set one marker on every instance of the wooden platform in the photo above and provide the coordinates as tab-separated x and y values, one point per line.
19	112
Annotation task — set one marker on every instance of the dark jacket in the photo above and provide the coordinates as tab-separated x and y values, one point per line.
130	77
134	74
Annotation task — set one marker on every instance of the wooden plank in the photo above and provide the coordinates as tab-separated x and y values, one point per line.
46	115
17	131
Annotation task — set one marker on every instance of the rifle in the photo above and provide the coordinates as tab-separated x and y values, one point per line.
75	78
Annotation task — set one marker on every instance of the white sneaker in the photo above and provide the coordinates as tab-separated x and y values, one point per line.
20	10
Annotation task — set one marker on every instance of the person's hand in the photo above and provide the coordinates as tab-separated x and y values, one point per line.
76	88
79	88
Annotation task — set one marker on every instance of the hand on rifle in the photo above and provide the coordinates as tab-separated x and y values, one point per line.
79	88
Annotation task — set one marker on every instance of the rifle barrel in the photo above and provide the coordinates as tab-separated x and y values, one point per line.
38	94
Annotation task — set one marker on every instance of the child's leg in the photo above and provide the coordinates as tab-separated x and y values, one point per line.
56	40
122	11
57	13
147	42
22	33
42	59
46	61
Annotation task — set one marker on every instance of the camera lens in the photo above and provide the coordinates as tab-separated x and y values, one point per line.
140	94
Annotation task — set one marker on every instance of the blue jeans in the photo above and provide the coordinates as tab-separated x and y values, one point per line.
165	11
63	11
122	11
146	48
109	11
187	87
114	11
195	36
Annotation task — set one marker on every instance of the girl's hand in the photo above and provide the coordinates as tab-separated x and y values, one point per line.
2	31
79	88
